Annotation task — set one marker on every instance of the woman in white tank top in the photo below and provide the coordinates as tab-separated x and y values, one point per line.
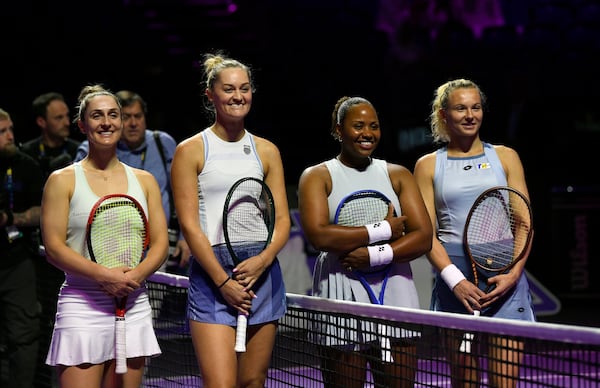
82	347
204	167
345	249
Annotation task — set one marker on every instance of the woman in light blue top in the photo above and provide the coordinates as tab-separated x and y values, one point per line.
450	180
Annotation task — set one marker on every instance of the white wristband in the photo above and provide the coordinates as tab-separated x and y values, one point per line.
380	254
452	276
379	231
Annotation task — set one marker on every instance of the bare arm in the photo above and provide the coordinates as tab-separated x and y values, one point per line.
313	189
516	179
159	244
54	220
465	291
187	164
417	236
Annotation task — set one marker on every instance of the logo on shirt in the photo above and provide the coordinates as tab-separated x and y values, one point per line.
483	166
247	149
467	168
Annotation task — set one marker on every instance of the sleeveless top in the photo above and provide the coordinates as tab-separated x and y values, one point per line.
457	183
346	180
332	281
83	201
224	163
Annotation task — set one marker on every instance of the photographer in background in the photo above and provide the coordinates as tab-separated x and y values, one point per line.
53	149
20	198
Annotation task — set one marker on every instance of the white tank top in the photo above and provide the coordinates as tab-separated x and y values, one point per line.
345	180
224	163
83	201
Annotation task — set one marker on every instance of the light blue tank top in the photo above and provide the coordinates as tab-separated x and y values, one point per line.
457	183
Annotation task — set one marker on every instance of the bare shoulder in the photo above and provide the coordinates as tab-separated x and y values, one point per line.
141	174
398	171
63	176
264	145
317	170
426	163
191	144
61	181
506	153
315	179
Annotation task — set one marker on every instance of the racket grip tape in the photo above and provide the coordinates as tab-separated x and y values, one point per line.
240	333
120	352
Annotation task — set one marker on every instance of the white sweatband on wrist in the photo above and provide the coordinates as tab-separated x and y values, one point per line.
452	276
380	254
379	231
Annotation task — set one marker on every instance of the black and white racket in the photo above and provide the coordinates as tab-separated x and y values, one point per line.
361	208
117	235
497	232
248	217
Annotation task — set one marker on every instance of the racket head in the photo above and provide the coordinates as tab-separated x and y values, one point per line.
498	229
117	231
248	214
362	207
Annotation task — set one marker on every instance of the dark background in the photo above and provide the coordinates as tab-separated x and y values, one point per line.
539	69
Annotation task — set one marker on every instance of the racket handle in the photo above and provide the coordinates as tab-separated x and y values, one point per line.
240	333
120	354
465	345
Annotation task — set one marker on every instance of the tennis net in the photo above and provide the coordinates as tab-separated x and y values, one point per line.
550	355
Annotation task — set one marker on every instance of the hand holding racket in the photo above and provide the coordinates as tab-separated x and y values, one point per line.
117	235
498	231
360	209
248	218
497	234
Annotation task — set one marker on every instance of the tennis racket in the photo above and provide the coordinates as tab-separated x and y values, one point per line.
361	208
248	217
117	235
497	232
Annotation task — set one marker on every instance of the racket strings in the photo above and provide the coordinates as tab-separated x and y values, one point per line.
249	214
118	234
498	230
362	211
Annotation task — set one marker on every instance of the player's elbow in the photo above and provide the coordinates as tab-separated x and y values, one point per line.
424	243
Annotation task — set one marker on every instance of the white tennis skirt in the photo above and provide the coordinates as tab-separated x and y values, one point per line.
84	328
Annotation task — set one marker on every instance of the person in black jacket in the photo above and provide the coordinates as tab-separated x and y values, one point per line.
53	149
20	199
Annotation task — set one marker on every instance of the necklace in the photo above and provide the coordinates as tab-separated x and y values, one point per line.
102	173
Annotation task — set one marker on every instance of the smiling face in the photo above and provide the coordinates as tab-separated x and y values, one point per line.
101	121
464	113
359	134
231	94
